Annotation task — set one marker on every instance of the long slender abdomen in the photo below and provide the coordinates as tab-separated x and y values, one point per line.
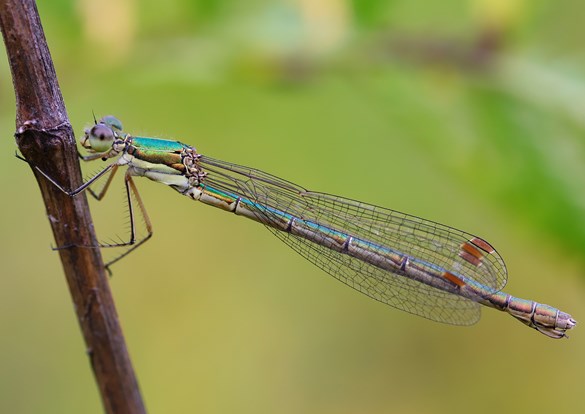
380	256
544	318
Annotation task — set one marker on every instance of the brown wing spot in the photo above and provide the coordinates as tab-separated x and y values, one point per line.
469	248
483	245
470	254
453	279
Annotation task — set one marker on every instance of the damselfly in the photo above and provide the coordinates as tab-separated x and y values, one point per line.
413	264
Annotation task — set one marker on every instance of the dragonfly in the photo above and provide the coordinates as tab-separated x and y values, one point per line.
410	263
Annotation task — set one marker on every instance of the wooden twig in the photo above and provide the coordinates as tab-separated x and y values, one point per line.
45	138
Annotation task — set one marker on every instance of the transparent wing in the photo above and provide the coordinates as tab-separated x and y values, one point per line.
442	246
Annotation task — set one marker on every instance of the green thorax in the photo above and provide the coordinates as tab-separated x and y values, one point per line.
158	151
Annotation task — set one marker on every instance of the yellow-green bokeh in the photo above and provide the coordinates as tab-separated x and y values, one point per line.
468	113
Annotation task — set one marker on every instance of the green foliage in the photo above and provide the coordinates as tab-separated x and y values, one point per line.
437	109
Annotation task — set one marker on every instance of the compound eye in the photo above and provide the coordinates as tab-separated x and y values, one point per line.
101	138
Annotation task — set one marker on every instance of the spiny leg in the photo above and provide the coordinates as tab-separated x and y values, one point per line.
93	157
131	190
100	195
79	189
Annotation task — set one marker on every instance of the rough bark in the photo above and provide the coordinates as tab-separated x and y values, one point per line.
45	138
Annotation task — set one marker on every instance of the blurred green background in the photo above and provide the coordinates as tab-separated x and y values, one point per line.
469	113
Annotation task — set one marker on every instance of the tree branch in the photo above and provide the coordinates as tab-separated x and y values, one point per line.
45	138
